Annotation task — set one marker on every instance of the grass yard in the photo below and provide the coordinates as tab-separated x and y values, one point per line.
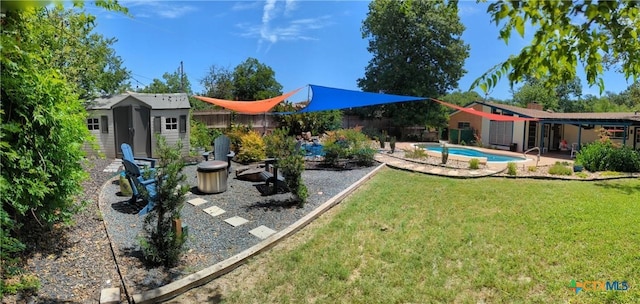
412	238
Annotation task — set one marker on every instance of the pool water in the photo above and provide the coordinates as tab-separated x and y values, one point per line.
474	153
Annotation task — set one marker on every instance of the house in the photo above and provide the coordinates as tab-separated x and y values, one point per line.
135	118
547	132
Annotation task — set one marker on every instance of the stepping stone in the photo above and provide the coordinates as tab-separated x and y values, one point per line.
453	172
474	172
214	211
110	296
196	201
236	221
262	232
436	170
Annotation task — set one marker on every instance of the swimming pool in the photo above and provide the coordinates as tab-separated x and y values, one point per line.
461	151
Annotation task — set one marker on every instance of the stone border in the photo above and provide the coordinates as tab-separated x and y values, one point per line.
206	275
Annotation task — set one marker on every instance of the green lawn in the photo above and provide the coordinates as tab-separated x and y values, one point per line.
412	238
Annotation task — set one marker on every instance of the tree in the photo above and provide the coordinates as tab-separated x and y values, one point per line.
86	59
218	83
535	91
417	50
253	80
176	82
567	32
461	98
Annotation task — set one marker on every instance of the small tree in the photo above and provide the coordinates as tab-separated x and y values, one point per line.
290	162
161	244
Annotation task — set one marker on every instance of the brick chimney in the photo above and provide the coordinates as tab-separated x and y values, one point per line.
534	106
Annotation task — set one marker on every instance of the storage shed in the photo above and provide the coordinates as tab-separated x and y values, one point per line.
135	118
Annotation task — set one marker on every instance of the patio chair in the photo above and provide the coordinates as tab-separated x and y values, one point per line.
574	150
140	182
127	153
222	150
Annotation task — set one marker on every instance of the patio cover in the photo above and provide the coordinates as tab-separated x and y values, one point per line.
490	116
325	98
249	107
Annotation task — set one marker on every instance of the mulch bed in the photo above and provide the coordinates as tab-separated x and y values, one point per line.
73	263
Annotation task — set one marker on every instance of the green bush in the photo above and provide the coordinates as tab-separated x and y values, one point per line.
160	244
392	144
315	122
512	169
560	169
235	133
474	164
252	148
290	162
199	136
416	153
348	144
603	156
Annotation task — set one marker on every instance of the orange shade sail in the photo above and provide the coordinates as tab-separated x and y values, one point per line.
249	107
490	116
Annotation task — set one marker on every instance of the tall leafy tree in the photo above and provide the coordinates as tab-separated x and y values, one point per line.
417	50
218	83
461	98
253	80
567	33
176	82
85	58
535	91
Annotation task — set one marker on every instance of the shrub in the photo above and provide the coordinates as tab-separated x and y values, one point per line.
200	136
235	133
474	164
160	244
290	162
445	154
532	168
560	169
392	144
252	148
315	122
603	156
416	153
348	144
512	169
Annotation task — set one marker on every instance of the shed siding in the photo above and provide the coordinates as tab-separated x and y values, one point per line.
105	141
172	136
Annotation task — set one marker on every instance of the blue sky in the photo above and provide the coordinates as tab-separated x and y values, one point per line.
304	42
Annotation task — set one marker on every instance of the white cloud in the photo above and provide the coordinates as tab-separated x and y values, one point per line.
276	26
159	9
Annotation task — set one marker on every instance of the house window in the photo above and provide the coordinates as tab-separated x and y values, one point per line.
615	132
104	123
171	123
183	123
501	133
464	125
93	124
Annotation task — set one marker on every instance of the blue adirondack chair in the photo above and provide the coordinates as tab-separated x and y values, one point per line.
127	153
138	181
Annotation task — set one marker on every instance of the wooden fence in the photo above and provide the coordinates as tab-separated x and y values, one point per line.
263	123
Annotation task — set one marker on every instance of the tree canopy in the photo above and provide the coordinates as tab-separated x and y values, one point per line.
417	50
597	35
253	80
176	82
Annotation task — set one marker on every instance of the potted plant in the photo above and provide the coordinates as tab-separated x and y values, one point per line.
445	153
577	166
392	144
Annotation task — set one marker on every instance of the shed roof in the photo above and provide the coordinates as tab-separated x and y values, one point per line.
154	101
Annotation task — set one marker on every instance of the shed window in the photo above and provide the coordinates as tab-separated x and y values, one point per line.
615	132
183	123
171	123
93	124
104	123
464	125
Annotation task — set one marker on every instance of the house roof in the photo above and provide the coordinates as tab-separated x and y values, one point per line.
154	101
546	115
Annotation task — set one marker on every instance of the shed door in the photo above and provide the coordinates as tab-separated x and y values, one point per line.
132	127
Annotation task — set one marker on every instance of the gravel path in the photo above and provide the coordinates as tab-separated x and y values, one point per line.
212	240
